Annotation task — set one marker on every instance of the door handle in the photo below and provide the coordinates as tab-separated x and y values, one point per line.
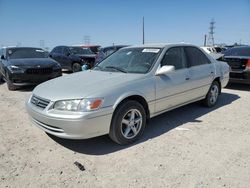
187	78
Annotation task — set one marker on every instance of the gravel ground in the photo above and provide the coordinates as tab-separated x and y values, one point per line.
192	146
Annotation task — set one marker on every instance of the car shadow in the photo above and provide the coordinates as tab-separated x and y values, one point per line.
26	88
157	126
236	86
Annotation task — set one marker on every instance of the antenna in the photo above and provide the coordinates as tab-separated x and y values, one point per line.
211	33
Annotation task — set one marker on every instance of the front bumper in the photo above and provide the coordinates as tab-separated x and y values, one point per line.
71	125
23	79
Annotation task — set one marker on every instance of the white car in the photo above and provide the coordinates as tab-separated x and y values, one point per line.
124	90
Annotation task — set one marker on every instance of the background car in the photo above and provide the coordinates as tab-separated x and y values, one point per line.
125	89
238	58
212	52
20	66
106	51
73	57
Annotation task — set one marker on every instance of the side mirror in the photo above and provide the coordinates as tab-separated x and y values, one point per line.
165	69
2	57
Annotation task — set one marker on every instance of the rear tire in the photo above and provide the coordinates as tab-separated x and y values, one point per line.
128	122
76	67
212	95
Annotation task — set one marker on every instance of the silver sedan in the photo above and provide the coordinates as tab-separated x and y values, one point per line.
119	94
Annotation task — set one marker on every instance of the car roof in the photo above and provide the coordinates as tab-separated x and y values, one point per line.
163	45
13	47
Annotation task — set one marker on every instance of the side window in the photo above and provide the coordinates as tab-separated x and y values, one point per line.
66	51
55	50
174	56
196	57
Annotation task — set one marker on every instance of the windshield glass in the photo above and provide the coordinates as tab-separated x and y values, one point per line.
20	53
131	60
243	51
79	50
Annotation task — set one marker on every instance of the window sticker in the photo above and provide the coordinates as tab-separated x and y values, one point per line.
9	52
39	51
151	50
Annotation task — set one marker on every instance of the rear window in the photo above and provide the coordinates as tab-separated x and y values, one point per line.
243	51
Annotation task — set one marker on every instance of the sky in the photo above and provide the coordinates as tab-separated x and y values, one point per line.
48	23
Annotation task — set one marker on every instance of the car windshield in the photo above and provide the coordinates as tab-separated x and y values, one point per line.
243	51
79	50
21	53
130	60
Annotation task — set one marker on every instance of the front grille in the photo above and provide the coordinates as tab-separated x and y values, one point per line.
39	71
39	102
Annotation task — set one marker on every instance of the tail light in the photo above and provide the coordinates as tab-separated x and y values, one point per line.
248	63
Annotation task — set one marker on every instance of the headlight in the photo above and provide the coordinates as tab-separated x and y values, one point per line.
84	105
15	69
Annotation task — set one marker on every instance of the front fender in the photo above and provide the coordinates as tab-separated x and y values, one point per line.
126	95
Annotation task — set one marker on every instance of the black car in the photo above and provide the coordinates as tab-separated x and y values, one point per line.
104	52
20	66
73	57
238	59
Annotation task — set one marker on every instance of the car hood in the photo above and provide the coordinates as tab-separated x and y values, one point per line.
27	62
83	84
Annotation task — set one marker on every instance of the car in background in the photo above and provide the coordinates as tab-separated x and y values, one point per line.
238	58
125	89
220	49
93	48
212	52
73	57
106	51
21	66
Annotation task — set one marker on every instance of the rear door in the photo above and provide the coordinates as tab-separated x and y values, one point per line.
172	89
201	71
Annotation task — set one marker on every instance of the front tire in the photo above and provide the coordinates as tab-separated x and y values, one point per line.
1	78
212	95
10	84
128	123
76	67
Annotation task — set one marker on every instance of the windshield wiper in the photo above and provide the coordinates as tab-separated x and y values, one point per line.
116	68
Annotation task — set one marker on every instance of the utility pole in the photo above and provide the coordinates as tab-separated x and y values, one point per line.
41	43
205	40
211	33
143	36
86	39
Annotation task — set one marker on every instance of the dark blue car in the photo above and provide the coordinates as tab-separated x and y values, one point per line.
21	66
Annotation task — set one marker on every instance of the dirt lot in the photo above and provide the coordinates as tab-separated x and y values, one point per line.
191	146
